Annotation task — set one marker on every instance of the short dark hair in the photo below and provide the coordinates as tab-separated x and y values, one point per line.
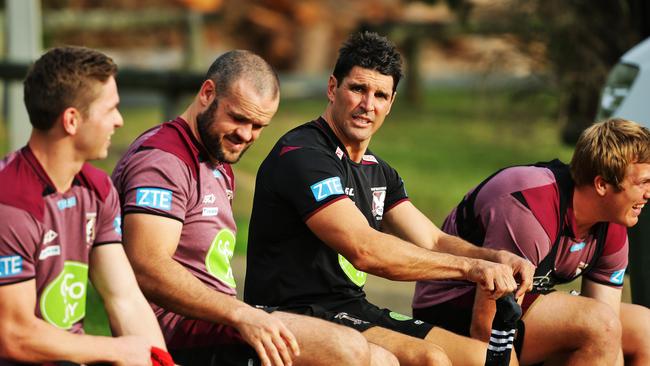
369	51
61	78
236	64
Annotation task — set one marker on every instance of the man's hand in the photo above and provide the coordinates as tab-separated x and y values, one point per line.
494	278
271	339
133	351
522	269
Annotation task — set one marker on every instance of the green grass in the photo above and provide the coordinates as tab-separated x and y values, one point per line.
441	149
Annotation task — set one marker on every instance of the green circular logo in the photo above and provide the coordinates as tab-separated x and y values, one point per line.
398	316
356	276
219	255
63	302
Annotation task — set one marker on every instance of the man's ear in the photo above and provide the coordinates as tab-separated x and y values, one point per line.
600	185
207	93
70	120
332	84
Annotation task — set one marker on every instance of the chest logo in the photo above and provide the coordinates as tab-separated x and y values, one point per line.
51	251
577	247
356	276
63	301
64	203
217	261
209	199
326	188
154	198
91	220
378	198
49	236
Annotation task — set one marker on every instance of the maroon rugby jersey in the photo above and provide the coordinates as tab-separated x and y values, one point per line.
47	236
166	172
530	232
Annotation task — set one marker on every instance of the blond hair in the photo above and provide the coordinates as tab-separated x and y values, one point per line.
607	148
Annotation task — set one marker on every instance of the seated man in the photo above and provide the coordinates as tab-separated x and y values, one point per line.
61	224
325	208
568	221
176	186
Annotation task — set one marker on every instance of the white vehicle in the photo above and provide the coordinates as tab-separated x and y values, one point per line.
627	95
627	91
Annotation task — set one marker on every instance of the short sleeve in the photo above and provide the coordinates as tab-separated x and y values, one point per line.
155	182
511	226
109	222
309	179
20	236
395	191
609	269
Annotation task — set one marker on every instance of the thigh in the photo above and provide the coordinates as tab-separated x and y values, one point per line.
408	350
555	324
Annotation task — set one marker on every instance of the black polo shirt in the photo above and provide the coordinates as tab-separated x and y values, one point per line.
307	170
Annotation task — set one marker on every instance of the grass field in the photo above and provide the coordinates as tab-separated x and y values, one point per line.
441	149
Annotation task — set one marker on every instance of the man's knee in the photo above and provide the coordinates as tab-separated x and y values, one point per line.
636	330
602	325
382	357
434	355
350	344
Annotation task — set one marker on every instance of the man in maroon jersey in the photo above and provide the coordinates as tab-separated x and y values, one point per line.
61	224
568	221
176	187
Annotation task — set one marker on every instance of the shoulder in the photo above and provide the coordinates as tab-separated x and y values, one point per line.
95	180
20	186
616	239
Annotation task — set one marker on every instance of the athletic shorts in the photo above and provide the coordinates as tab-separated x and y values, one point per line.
455	316
362	315
211	344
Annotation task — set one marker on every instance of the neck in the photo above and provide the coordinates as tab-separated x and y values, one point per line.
190	117
586	210
355	149
57	157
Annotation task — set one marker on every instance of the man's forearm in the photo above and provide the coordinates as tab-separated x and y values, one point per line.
134	316
454	245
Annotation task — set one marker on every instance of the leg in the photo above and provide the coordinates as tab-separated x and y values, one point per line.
409	350
325	343
635	320
462	350
380	356
576	329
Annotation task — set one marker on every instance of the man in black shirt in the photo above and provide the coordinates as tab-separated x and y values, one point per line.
327	210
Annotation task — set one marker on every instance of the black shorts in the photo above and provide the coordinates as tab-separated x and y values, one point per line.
362	315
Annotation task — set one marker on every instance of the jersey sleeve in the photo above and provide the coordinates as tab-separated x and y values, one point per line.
610	267
157	183
511	226
20	238
309	179
109	220
395	191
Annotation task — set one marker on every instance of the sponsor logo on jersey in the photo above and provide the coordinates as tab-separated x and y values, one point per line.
117	225
398	316
217	261
63	301
91	220
51	251
356	276
209	199
339	153
11	265
64	203
617	277
326	188
49	236
154	198
370	158
210	211
349	191
230	194
378	198
216	173
577	247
